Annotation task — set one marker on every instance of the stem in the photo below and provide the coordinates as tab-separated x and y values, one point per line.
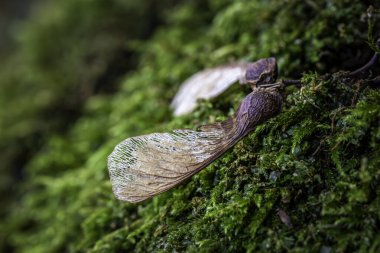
297	82
282	83
368	65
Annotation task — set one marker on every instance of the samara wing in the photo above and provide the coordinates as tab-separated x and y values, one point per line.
143	166
210	83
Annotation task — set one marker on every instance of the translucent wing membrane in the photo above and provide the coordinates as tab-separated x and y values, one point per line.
143	166
205	85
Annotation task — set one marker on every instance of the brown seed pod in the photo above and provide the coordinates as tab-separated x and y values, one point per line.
143	166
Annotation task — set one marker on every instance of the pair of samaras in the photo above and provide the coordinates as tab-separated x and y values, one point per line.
143	166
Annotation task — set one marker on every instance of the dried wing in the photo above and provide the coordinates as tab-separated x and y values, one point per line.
141	167
205	85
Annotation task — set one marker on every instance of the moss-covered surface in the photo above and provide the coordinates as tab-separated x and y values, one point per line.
318	160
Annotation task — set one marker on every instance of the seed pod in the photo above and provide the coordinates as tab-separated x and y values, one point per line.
143	166
263	71
210	83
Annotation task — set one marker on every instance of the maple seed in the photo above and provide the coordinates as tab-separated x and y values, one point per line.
212	82
143	166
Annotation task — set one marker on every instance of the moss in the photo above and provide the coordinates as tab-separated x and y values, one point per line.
318	160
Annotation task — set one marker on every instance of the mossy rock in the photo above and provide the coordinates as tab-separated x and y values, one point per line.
318	161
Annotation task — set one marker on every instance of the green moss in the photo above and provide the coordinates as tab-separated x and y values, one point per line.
318	160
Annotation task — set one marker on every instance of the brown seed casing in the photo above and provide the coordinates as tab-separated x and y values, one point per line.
263	71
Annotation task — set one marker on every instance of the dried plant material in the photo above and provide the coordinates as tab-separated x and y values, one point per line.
210	83
284	217
261	72
143	166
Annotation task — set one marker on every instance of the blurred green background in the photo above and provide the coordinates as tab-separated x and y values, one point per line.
79	76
